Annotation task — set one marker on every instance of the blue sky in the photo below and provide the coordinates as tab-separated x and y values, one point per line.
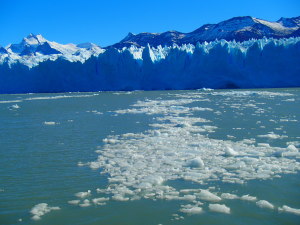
107	22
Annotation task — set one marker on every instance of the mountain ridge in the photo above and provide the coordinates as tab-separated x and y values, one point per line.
240	28
35	49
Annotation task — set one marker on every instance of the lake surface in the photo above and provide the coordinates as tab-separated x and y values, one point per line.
162	157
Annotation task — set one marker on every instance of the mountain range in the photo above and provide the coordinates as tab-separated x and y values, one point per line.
237	28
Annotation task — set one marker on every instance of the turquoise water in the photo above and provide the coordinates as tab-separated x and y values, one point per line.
50	144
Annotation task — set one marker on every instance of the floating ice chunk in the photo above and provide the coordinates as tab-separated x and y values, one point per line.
208	196
271	135
295	143
248	198
110	140
191	209
292	148
100	201
101	190
86	203
82	164
264	204
95	165
189	198
195	163
83	194
230	136
248	141
120	198
41	209
229	196
221	208
49	123
74	202
289	100
157	133
154	180
288	152
186	191
15	106
230	151
171	197
267	145
288	209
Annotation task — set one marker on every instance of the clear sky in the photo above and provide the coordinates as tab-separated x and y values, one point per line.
106	22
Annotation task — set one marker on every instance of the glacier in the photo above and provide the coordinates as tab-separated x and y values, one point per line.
50	67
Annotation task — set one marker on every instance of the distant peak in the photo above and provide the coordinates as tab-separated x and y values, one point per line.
31	35
128	36
241	18
34	39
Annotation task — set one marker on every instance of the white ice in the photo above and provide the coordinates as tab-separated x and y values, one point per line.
41	209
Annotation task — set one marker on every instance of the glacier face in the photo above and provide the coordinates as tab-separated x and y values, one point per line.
219	64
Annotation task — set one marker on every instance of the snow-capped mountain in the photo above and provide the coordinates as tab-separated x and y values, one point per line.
34	49
237	28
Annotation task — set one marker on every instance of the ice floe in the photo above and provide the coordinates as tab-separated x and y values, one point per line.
221	208
41	209
177	147
100	201
86	203
230	151
206	195
288	209
264	204
271	135
74	202
191	209
248	198
49	123
195	163
83	194
15	106
229	196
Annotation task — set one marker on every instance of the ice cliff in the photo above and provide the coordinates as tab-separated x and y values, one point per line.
38	65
